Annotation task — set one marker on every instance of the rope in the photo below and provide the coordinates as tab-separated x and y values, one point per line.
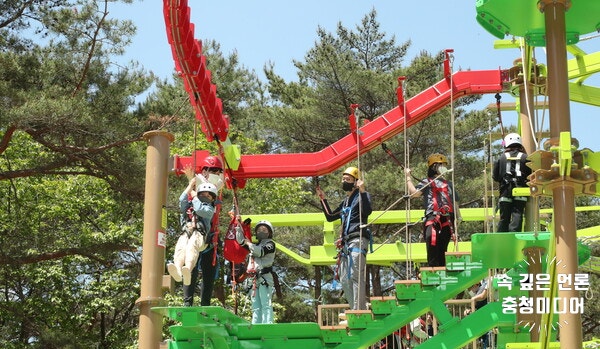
406	226
195	144
490	180
499	114
235	211
485	186
543	117
407	207
455	207
406	196
360	231
527	75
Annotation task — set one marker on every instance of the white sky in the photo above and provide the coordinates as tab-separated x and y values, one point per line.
264	31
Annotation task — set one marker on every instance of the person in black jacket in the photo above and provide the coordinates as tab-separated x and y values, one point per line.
510	171
354	239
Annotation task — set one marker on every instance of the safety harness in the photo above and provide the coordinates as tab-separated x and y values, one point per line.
254	272
434	219
191	217
345	237
512	176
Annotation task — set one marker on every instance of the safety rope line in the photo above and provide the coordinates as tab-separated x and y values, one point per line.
536	136
361	291
489	183
195	145
406	226
486	162
403	197
539	123
234	213
409	260
450	58
499	115
527	76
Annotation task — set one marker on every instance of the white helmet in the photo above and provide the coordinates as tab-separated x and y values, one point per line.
269	227
208	187
512	138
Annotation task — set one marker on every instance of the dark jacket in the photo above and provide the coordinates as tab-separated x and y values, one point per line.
349	212
510	171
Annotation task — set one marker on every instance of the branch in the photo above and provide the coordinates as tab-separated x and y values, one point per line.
38	137
91	252
92	49
48	169
17	14
7	137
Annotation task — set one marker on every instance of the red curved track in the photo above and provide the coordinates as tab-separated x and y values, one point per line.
191	66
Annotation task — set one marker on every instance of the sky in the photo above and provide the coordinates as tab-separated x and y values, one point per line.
263	31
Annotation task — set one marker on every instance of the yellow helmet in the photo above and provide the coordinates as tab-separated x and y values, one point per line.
353	171
437	157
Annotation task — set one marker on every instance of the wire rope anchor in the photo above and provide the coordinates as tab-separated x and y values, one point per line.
353	120
448	57
400	91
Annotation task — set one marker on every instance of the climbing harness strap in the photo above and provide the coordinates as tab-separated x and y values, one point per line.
512	177
516	161
442	192
346	215
434	219
348	255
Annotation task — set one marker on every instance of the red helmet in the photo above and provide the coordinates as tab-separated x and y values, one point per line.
213	161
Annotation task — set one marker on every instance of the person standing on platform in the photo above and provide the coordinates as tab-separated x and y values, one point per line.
511	171
440	208
354	239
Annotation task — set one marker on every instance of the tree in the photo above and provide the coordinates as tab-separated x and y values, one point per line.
63	96
71	176
362	66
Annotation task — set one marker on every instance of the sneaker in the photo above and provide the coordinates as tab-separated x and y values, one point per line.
172	269
187	275
344	323
342	316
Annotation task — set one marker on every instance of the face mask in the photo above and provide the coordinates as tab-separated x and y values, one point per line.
442	169
261	235
217	180
204	199
347	186
471	293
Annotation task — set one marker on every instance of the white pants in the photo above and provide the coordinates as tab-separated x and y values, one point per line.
262	308
187	249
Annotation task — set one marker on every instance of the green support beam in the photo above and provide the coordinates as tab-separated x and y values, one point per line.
394	250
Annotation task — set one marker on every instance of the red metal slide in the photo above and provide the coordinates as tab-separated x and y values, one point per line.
191	66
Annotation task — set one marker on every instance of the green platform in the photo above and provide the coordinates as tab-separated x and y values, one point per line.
523	18
215	327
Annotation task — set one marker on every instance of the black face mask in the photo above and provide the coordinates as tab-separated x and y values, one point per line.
348	186
205	199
